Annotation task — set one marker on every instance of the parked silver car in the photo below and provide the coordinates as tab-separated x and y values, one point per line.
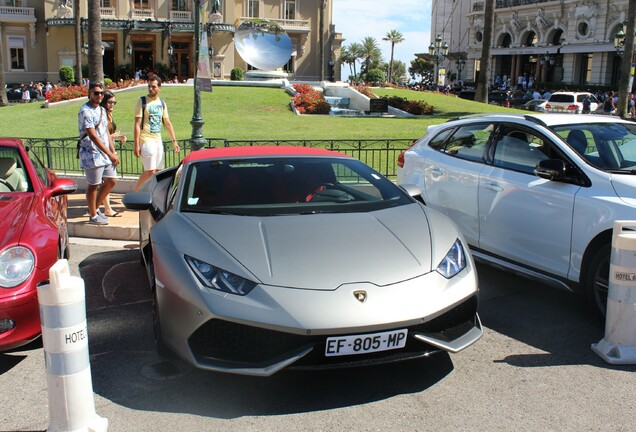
536	194
261	258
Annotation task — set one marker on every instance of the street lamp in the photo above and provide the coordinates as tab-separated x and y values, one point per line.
170	50
619	42
129	49
197	141
438	51
461	64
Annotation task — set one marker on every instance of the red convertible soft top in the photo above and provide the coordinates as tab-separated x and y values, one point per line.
231	152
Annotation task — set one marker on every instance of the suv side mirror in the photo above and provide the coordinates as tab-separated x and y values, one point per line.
551	169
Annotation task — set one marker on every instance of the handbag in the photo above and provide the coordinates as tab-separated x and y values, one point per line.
79	142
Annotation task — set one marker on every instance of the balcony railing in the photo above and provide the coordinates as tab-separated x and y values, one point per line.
143	13
287	24
511	3
10	13
109	12
181	16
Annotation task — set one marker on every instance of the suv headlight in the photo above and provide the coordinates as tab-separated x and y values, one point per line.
16	265
219	279
453	262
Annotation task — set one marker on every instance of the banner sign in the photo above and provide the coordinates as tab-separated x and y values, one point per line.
204	75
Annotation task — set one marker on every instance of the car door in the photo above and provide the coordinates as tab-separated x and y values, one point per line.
523	217
451	176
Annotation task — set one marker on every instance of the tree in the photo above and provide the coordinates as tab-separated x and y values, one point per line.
422	68
356	54
95	60
399	71
78	42
4	101
346	57
395	37
370	53
481	94
626	64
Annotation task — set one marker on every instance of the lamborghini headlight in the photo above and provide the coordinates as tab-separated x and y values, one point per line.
453	262
16	265
219	279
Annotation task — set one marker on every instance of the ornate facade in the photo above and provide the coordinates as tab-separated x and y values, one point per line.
557	42
37	36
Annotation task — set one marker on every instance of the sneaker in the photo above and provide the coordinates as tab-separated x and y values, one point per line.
103	216
97	220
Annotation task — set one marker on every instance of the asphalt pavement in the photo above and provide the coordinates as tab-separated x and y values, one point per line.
532	371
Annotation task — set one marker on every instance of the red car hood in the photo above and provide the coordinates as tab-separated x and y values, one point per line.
14	213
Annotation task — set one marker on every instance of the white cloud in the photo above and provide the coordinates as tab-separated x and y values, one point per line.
357	19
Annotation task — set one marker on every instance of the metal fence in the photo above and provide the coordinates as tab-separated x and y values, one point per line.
60	154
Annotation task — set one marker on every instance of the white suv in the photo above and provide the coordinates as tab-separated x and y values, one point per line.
570	102
537	194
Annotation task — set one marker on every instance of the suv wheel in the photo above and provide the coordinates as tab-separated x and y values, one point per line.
597	279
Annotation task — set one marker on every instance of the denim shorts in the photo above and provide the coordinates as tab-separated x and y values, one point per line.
94	176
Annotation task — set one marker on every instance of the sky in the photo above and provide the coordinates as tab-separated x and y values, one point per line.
357	19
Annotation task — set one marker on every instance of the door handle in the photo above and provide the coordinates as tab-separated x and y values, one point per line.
493	186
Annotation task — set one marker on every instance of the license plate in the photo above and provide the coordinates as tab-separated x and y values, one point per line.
367	343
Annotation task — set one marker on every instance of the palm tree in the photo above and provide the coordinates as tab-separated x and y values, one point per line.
95	61
395	37
347	58
3	84
626	64
356	54
370	53
481	94
78	42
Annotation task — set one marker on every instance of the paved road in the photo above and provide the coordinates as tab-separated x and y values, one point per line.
532	371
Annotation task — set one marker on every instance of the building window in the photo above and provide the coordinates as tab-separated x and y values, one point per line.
252	8
142	4
290	9
179	5
105	3
16	52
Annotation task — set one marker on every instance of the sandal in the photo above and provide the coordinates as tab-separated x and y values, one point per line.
116	214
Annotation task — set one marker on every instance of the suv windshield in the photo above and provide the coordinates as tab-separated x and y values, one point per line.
609	146
291	185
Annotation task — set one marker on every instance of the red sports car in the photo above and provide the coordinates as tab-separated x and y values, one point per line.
33	236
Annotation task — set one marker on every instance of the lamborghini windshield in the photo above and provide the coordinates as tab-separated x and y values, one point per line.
290	185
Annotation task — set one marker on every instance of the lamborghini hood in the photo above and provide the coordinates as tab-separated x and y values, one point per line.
324	251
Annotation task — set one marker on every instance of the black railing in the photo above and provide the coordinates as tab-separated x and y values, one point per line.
60	154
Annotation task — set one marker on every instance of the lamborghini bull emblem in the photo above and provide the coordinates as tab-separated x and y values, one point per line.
360	295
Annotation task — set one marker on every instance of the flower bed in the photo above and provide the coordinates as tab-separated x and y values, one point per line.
63	93
310	101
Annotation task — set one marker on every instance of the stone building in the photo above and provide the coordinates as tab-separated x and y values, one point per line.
556	42
37	36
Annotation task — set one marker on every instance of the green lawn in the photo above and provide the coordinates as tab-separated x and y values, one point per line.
239	113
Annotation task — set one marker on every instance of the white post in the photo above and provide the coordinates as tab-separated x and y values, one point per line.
65	340
619	344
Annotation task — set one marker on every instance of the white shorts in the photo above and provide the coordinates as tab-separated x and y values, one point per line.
152	155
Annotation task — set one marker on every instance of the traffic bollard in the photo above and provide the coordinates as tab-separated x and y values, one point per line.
619	344
65	341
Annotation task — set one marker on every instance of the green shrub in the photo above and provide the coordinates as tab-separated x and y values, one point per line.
163	70
107	81
376	76
125	72
67	75
236	74
411	107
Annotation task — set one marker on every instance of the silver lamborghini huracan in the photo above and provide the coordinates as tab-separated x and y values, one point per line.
264	258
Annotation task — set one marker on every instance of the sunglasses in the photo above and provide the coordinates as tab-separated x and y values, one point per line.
112	102
98	93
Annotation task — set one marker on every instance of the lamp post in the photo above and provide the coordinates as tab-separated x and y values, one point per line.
197	141
461	64
619	42
438	50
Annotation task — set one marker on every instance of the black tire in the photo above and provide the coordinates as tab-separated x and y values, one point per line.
597	279
162	350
